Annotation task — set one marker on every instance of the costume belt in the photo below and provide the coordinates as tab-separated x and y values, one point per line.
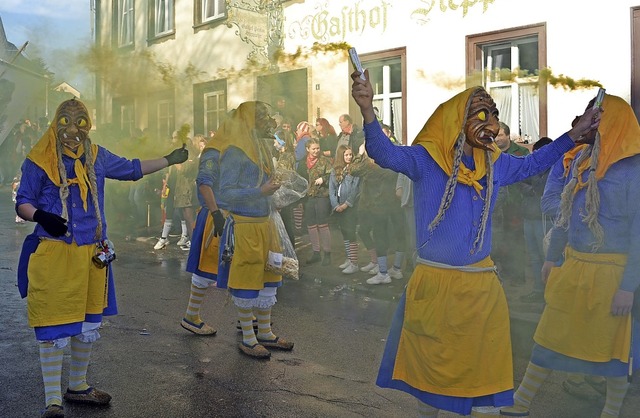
614	259
240	219
466	269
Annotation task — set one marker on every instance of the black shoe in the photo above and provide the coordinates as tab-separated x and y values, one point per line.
533	297
314	258
326	261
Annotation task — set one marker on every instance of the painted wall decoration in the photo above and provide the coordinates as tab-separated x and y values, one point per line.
252	25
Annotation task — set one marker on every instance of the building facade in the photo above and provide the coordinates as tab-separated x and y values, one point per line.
163	63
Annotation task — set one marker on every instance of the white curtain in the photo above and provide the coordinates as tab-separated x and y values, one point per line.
396	111
529	111
378	104
502	97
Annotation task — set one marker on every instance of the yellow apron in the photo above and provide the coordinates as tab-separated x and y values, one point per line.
577	320
64	284
455	339
253	240
208	261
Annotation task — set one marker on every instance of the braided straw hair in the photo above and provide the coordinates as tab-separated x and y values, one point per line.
64	188
93	185
592	198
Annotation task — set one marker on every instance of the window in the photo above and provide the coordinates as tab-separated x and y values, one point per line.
126	22
209	11
516	100
215	109
508	63
212	9
127	118
388	78
162	18
124	114
165	122
209	105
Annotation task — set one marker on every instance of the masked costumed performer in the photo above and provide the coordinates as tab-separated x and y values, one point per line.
203	254
449	344
586	326
246	186
64	271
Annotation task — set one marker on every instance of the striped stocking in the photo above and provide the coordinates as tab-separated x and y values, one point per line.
80	356
51	366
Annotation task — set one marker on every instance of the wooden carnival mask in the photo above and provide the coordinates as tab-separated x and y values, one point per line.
482	121
72	123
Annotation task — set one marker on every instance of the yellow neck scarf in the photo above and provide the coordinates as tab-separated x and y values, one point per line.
440	134
45	156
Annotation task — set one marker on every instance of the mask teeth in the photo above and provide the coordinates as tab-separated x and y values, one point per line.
77	139
65	136
487	138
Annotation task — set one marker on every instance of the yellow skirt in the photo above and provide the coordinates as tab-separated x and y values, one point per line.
210	248
577	319
254	237
64	284
455	339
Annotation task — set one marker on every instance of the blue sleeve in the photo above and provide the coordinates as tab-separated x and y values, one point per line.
514	169
410	161
31	184
208	168
120	168
550	202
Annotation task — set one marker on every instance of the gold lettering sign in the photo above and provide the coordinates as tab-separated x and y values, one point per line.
422	14
355	19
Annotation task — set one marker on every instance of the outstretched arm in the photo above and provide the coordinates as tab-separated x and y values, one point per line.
362	93
176	156
151	166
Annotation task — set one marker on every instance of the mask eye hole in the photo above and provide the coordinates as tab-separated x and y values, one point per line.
482	115
82	122
63	121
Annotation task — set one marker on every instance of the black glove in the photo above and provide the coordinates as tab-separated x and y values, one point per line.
178	155
218	223
55	225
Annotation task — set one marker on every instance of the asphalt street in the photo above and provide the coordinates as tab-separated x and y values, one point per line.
154	368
